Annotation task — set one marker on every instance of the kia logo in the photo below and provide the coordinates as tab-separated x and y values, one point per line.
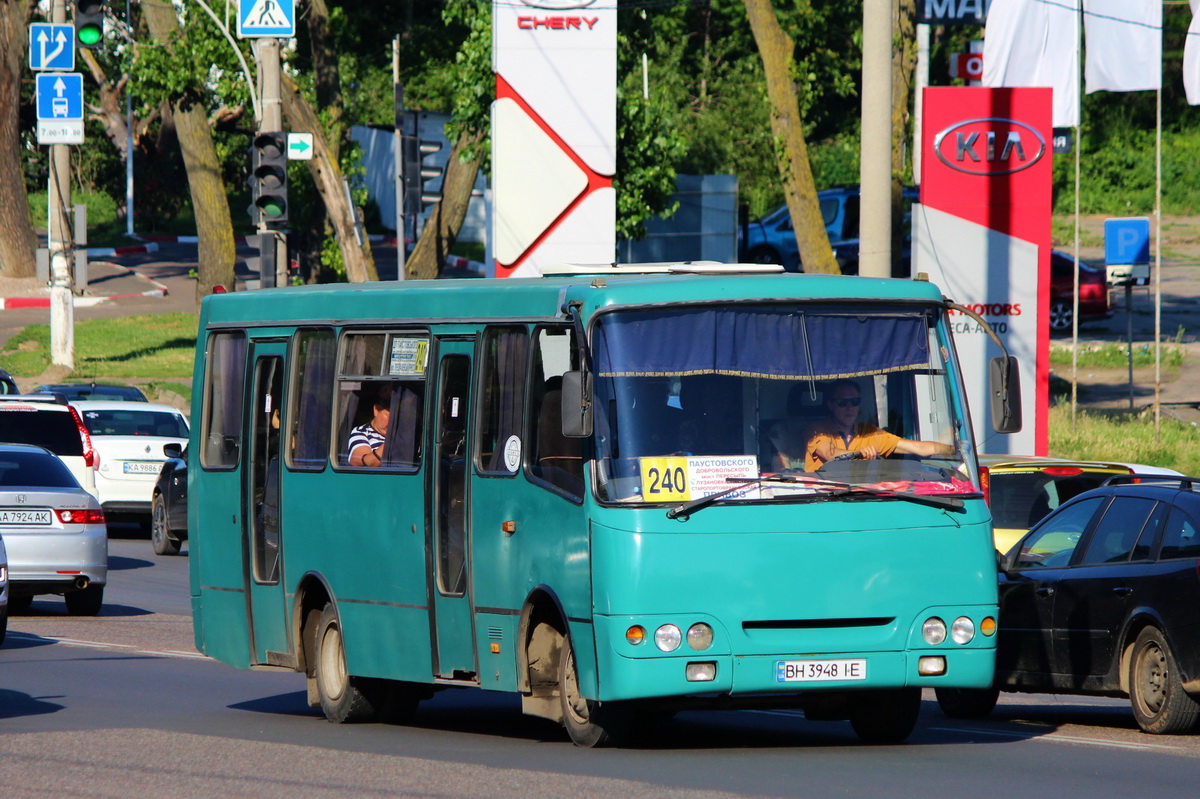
559	5
989	146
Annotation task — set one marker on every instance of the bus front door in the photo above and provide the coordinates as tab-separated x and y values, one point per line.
265	598
450	528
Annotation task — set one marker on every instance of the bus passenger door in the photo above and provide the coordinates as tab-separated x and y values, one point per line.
450	528
262	557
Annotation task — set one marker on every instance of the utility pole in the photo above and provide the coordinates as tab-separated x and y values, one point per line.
60	241
272	243
875	226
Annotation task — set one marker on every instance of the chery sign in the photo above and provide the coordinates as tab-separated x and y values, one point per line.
554	133
982	233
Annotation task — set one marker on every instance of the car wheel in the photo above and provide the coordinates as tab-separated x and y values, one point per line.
967	703
1160	705
339	693
86	601
588	723
160	533
1060	315
762	254
886	717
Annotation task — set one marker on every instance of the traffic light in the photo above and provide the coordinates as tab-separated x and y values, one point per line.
268	179
89	23
418	174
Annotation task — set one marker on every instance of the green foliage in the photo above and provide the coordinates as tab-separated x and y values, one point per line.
1125	438
1114	355
102	209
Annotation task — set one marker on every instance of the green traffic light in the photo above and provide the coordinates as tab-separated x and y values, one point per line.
88	34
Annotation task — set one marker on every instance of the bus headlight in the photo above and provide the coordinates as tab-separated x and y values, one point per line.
963	630
700	636
668	637
933	631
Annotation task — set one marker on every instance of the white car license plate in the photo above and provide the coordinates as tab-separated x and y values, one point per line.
142	467
820	670
15	516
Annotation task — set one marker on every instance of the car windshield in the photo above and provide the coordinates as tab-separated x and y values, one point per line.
1021	499
135	423
690	401
34	470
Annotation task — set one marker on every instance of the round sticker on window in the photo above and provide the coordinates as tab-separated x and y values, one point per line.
512	453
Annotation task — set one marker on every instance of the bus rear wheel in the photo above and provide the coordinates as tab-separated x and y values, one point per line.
589	723
340	696
886	717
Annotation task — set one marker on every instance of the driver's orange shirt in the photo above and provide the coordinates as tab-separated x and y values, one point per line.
865	435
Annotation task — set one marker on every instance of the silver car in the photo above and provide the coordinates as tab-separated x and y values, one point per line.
54	532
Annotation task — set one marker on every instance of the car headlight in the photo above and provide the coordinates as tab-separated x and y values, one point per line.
668	637
933	631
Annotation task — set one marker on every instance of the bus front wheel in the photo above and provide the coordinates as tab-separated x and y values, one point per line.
340	697
886	717
589	723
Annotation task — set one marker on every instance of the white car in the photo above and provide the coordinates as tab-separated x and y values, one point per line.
47	421
128	438
54	532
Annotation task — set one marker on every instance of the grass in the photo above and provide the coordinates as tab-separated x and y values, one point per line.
158	349
1115	355
1125	438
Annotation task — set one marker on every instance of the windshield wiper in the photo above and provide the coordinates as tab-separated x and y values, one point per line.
936	500
686	508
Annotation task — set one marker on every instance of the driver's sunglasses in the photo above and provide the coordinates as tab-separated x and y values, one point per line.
848	402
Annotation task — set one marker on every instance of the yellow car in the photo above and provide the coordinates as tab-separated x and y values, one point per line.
1021	489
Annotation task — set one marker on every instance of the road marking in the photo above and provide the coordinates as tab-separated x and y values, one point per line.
167	653
1054	737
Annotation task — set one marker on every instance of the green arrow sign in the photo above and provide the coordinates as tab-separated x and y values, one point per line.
300	146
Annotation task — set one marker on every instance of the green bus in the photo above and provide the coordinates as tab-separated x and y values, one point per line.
574	489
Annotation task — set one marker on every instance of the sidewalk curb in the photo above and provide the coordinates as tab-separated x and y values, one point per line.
112	252
156	239
159	290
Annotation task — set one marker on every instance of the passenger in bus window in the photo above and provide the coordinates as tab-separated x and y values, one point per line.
842	433
366	441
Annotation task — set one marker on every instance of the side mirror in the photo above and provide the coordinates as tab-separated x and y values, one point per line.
1004	389
172	450
576	404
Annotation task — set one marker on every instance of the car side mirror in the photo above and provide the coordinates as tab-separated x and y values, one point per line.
576	404
1004	390
172	450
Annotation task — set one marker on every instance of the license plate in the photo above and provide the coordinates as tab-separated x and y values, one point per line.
142	467
820	670
12	516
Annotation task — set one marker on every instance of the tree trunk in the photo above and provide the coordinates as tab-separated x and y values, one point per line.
210	203
111	111
904	61
17	238
776	50
327	175
446	218
327	86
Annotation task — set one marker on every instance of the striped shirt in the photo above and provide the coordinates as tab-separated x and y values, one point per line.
365	436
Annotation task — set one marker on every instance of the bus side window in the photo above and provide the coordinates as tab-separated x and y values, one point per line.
505	350
310	411
553	457
223	387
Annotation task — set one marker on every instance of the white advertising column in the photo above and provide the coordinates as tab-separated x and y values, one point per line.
554	131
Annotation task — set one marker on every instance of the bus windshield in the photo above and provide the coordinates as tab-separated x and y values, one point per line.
788	399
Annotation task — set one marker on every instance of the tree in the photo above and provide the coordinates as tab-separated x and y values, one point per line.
210	204
776	49
17	239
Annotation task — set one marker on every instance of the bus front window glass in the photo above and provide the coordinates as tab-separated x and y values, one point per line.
505	351
311	411
223	386
690	401
553	457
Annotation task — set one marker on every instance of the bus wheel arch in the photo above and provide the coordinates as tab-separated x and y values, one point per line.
541	631
312	595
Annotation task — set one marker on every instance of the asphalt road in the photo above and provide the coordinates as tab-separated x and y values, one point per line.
121	705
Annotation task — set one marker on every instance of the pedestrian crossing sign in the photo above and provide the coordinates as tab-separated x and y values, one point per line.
259	18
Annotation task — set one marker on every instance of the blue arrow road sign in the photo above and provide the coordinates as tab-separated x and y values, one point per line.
1127	240
266	18
51	46
59	96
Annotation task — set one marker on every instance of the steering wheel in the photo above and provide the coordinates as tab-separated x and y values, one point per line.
845	456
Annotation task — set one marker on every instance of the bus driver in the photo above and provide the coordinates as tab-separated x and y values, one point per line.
842	432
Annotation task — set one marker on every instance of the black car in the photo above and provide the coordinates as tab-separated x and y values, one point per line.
168	506
93	391
7	384
1101	598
